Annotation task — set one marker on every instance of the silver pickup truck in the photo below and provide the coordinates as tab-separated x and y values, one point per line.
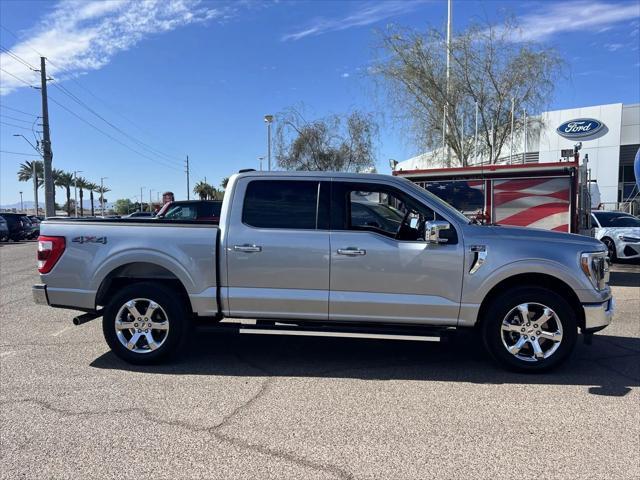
325	251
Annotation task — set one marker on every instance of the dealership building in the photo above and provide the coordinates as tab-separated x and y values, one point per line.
610	137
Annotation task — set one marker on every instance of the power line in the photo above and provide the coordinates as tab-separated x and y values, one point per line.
16	110
18	58
171	158
110	136
116	111
17	78
14	125
142	144
28	122
19	153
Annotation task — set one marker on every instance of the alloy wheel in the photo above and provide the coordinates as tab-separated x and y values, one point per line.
531	332
142	325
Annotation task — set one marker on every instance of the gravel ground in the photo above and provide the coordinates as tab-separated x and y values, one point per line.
298	407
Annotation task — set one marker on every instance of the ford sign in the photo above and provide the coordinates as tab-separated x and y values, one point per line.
581	127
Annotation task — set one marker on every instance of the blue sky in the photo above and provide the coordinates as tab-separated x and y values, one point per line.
196	77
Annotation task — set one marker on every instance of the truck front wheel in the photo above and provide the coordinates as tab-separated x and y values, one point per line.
145	322
529	329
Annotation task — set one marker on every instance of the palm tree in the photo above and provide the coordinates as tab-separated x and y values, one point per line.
224	183
25	173
102	190
65	180
55	173
83	185
201	189
92	187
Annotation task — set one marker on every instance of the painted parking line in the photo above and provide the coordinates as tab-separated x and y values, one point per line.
68	327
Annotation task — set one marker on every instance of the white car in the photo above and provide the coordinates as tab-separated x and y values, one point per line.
620	232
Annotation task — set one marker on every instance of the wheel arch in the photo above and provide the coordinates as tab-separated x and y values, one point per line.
539	280
136	272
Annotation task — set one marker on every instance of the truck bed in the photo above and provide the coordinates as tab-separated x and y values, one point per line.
98	251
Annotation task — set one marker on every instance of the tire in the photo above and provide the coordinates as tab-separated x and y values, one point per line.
538	346
169	323
611	247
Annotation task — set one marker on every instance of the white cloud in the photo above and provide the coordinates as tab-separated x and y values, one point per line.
367	14
345	75
79	36
577	16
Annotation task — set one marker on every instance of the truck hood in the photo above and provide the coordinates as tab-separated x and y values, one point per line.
522	234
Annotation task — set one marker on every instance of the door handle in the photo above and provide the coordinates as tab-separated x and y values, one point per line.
247	248
351	251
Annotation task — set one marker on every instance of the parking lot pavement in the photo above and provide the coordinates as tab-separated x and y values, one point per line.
276	407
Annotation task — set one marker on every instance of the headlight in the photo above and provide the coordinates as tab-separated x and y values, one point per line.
595	266
628	239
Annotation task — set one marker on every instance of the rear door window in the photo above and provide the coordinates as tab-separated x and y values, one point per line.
181	212
286	204
210	210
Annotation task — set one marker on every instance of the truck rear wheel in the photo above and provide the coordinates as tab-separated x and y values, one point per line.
530	329
145	323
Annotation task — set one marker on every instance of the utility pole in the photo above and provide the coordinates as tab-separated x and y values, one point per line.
260	159
141	200
21	204
75	190
187	172
150	201
102	194
447	85
49	205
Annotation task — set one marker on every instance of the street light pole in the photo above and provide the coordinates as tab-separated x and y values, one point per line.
141	200
102	195
150	201
21	204
260	159
75	190
268	120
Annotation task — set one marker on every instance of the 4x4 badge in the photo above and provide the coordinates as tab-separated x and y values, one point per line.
89	239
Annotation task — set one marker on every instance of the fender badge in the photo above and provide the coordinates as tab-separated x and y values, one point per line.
90	239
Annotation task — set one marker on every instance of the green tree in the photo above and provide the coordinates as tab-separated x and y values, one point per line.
92	188
65	180
489	67
102	190
339	143
56	172
123	206
201	189
224	183
25	173
82	184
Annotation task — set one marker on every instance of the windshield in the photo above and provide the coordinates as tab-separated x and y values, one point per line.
613	219
446	208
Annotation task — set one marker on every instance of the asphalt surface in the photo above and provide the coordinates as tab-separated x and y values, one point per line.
303	408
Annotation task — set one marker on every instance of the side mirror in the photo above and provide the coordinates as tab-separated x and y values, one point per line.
433	230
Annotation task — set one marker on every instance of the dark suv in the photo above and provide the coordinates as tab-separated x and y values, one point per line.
18	229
